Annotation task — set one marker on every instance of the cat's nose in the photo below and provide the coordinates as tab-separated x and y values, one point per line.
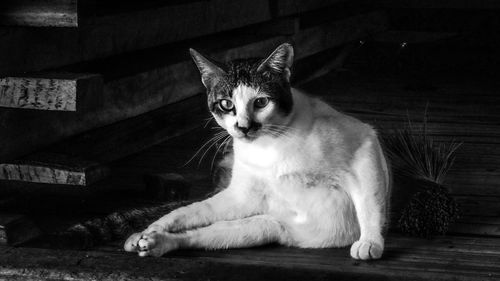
243	129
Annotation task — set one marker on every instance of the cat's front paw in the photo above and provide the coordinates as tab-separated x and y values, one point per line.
153	244
366	250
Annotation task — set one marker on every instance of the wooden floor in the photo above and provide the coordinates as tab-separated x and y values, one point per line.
458	108
443	258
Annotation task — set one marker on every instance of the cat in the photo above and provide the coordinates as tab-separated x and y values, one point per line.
304	175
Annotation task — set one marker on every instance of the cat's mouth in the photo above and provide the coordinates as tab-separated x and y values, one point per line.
248	137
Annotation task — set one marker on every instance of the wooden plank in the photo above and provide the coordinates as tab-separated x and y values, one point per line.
107	35
49	91
54	169
316	39
54	13
291	7
448	258
16	229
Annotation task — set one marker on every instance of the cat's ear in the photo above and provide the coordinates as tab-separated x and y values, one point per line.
209	71
279	61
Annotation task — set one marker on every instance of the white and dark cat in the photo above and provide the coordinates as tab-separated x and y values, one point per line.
304	175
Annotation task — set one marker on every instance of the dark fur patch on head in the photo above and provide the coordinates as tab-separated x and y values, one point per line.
244	72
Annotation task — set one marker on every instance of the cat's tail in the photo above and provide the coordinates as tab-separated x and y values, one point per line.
113	227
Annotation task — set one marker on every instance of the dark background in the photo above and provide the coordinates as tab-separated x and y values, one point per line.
95	95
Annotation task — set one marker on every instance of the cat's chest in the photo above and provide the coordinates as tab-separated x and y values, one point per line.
277	158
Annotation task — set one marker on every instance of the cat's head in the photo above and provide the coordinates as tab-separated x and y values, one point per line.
249	98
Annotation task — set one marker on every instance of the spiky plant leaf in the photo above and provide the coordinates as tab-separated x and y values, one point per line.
414	155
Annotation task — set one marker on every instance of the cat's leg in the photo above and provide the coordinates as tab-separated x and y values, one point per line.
241	233
368	188
241	199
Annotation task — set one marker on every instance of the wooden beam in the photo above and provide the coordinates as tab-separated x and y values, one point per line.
53	168
54	13
50	91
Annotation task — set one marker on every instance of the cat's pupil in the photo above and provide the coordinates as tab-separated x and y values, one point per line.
226	105
261	102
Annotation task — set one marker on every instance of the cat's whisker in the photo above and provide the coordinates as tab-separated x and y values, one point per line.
207	148
290	131
278	131
270	131
228	142
217	151
207	121
281	127
222	135
212	139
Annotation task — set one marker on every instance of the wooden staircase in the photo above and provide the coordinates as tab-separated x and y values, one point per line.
138	62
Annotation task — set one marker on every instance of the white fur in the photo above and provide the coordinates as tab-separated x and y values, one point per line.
323	184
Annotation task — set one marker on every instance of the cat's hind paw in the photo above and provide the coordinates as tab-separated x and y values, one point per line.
366	250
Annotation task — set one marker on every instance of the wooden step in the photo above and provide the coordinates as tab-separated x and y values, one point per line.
53	168
57	13
49	91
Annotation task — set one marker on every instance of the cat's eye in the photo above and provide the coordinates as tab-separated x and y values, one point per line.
226	105
261	102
